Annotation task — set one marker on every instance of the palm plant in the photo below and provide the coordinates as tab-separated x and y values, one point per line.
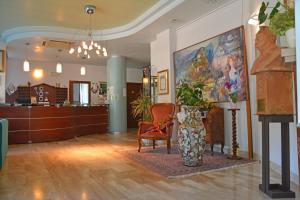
141	107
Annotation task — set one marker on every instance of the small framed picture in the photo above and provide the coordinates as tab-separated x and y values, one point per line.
102	88
2	60
163	82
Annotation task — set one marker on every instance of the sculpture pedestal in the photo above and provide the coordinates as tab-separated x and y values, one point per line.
276	190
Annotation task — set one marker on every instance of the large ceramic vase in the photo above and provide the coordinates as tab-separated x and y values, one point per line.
191	135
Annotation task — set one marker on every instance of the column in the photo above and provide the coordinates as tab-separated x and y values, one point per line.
116	83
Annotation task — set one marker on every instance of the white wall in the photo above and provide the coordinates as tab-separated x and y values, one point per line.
17	76
161	59
234	14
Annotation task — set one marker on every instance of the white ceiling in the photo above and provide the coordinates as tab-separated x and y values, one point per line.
136	47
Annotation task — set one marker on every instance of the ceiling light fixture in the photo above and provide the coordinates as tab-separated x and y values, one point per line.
87	47
26	65
58	64
82	70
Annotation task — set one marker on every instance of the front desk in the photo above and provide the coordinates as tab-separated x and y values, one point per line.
29	124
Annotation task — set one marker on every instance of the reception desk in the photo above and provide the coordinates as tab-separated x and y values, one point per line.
29	124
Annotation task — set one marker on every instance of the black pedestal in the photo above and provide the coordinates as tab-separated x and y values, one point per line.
276	190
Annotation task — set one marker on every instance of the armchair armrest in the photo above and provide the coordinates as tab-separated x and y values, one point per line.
143	126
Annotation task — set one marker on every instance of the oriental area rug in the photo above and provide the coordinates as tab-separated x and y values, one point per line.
171	165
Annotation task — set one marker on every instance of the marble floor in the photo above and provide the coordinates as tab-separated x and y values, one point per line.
90	167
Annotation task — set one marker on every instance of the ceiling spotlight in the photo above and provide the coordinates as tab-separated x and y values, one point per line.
85	52
97	52
88	56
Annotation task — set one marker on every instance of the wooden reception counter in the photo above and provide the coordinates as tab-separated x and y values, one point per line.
42	124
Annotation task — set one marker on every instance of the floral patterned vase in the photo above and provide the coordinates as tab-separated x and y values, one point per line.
191	135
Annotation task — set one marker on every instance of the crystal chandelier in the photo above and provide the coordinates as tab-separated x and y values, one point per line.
90	46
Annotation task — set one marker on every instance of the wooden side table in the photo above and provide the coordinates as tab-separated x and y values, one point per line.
276	190
234	155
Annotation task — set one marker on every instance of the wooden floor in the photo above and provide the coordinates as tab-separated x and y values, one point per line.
90	167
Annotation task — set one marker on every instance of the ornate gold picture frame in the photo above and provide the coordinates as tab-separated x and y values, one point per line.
163	82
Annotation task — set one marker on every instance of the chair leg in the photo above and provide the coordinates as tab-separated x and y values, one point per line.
153	144
169	146
222	148
139	141
212	149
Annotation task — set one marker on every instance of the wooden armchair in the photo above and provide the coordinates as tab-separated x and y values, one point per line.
161	126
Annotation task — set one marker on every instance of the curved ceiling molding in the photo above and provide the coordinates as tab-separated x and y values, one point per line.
151	15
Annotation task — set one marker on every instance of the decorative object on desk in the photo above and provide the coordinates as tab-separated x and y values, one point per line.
141	108
33	100
11	88
163	82
216	61
191	131
274	78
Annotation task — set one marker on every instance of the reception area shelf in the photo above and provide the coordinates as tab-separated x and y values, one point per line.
30	124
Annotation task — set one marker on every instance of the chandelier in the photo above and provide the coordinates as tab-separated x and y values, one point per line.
90	46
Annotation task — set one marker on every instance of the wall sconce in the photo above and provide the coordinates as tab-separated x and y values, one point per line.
82	70
145	80
38	73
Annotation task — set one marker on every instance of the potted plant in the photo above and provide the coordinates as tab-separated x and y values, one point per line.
281	21
191	131
141	107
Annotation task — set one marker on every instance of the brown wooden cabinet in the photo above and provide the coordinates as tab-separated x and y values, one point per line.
214	125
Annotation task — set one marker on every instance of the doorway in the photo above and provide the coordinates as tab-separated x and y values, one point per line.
134	90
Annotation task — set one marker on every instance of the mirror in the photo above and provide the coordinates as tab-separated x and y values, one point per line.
80	93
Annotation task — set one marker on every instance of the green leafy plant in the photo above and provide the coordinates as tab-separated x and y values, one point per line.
281	22
141	107
263	15
191	94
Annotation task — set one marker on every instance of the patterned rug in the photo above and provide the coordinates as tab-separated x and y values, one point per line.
171	165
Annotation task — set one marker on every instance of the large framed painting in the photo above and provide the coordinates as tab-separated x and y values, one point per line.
217	62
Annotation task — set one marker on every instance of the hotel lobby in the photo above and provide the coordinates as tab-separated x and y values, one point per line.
149	99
